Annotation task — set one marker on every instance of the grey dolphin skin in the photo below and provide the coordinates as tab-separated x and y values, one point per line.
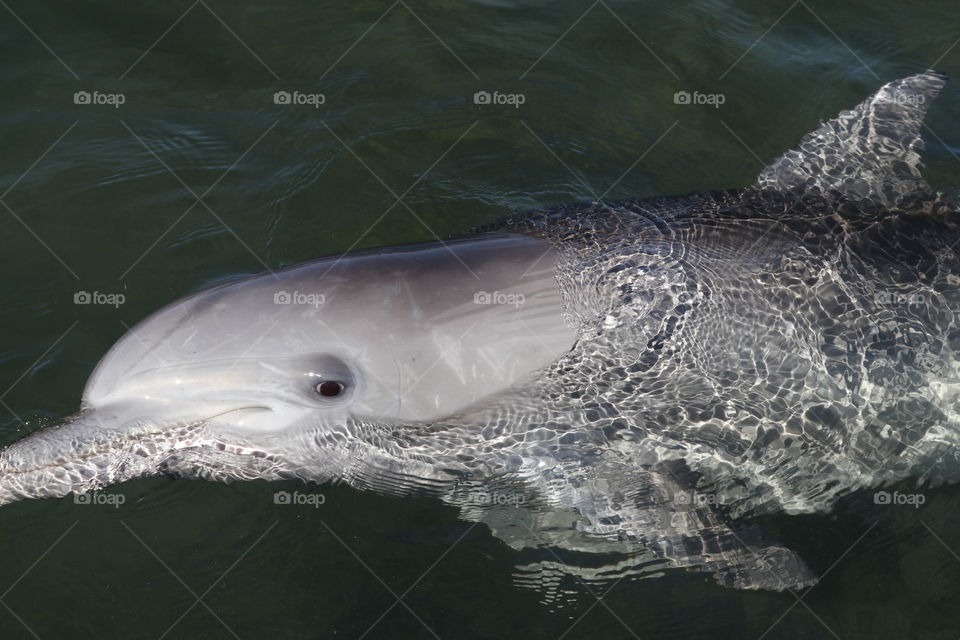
641	379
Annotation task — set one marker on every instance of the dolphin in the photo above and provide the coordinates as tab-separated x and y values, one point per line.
641	378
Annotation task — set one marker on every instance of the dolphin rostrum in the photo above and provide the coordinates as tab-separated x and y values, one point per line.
639	377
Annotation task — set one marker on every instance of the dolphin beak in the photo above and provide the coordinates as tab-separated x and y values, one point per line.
92	450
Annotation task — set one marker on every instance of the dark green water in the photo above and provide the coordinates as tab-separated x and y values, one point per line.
104	198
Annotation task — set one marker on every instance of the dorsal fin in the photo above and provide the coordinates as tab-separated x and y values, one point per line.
866	153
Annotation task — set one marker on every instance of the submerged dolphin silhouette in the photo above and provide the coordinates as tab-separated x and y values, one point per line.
637	376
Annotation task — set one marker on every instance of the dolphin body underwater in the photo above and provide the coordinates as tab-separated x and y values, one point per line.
637	378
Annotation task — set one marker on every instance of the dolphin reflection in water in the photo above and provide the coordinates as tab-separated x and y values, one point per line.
641	379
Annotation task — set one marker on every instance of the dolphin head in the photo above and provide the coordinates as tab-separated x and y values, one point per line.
293	373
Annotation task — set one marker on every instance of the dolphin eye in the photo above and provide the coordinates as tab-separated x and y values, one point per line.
330	388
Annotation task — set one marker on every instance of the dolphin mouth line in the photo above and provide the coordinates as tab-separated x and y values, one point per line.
122	443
